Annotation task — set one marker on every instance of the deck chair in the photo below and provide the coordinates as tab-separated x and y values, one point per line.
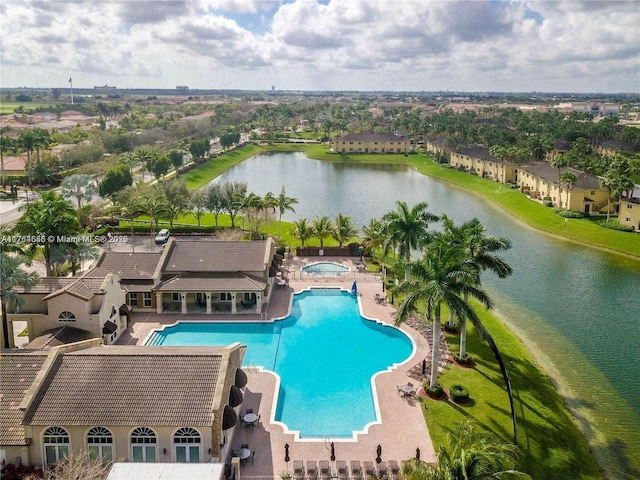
341	466
298	469
312	470
369	470
383	471
356	470
394	469
325	470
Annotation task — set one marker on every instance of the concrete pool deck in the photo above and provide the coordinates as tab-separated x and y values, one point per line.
402	428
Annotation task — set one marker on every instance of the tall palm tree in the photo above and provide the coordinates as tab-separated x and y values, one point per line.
154	206
302	231
283	204
470	455
374	238
438	279
27	141
48	219
7	145
12	276
344	229
408	227
268	205
478	250
322	228
569	180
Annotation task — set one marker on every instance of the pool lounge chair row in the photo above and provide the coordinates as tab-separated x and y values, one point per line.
322	470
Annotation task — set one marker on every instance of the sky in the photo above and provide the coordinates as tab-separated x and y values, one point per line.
581	46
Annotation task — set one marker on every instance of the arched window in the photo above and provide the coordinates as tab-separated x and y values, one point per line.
186	442
66	317
56	445
100	444
143	445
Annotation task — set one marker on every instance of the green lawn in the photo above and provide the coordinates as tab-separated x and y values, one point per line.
203	174
551	445
9	107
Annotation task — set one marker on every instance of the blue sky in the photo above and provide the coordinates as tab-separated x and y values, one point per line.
417	45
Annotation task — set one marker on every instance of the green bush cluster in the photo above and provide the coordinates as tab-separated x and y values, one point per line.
435	392
568	213
459	393
615	225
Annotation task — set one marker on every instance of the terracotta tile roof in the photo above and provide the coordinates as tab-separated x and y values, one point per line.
130	266
17	372
85	286
212	282
138	286
215	256
122	385
59	336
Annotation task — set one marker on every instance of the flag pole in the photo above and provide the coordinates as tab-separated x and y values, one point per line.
71	88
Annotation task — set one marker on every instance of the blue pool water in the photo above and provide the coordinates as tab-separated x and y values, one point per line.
325	267
325	354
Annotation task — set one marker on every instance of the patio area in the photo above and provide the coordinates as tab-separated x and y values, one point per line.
402	429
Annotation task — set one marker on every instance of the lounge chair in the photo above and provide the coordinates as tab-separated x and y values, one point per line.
394	469
343	473
369	470
298	469
356	470
312	470
383	471
325	470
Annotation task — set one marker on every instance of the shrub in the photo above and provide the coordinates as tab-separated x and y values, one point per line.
615	225
459	393
463	361
568	213
434	392
547	203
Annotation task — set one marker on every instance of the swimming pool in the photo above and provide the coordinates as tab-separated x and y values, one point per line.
325	354
325	267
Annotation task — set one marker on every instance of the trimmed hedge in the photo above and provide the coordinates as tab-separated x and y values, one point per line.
459	393
615	225
434	392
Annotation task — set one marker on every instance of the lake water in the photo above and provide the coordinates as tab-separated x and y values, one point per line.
577	307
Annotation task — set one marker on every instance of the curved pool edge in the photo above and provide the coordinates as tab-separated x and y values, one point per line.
374	390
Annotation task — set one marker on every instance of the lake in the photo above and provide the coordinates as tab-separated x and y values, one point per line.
576	307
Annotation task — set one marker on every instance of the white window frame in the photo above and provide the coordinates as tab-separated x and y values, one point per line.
144	438
66	317
186	445
55	440
225	297
100	444
146	299
133	299
173	297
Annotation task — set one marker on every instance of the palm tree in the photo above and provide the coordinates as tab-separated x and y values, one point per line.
438	279
268	204
408	227
79	186
322	228
7	145
12	276
569	180
154	206
27	141
374	237
470	455
477	249
302	231
283	204
344	229
128	205
48	219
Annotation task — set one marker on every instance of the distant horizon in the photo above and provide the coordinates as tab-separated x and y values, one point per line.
188	91
325	45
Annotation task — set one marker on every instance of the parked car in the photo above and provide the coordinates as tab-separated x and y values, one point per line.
163	236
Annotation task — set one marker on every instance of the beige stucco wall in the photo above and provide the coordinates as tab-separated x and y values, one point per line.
629	214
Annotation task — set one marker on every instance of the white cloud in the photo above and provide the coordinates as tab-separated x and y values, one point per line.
340	44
